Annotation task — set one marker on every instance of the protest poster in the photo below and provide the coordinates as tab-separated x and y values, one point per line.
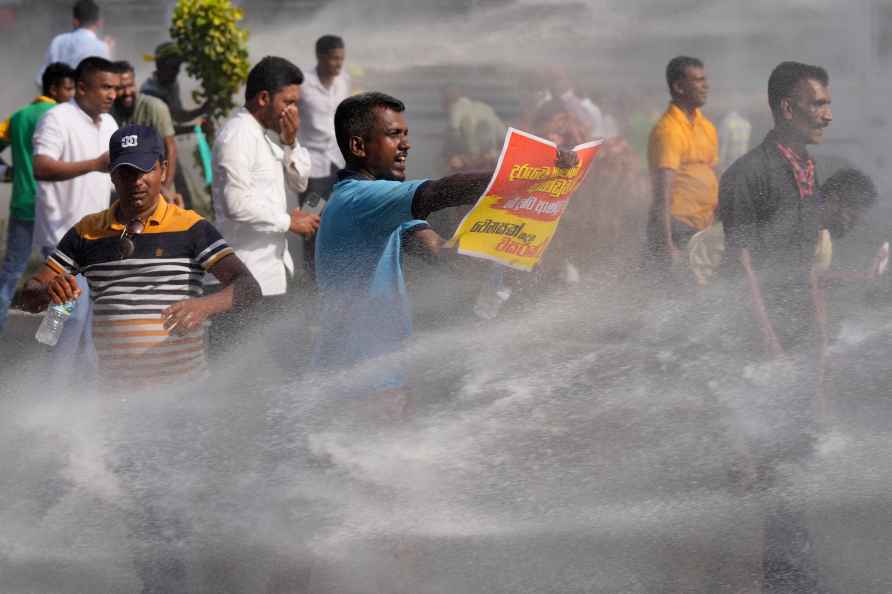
517	216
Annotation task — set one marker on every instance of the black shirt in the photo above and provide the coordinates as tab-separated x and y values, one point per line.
761	209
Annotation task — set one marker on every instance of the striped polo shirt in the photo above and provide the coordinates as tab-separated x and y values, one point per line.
128	295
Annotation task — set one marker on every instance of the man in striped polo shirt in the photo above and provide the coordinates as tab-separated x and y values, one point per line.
144	260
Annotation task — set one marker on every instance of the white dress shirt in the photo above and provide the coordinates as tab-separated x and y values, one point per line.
72	47
250	172
67	133
317	110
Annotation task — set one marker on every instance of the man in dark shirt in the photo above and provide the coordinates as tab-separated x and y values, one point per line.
770	211
769	206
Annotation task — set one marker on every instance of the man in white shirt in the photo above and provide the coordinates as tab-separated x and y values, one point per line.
255	154
71	168
72	47
324	87
735	132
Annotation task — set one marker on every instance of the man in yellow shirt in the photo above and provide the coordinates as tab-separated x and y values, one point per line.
683	153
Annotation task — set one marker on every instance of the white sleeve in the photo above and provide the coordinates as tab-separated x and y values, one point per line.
47	59
297	164
49	137
233	160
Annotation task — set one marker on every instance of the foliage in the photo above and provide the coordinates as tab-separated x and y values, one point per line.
214	49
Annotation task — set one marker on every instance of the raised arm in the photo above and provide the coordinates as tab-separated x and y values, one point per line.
233	160
296	160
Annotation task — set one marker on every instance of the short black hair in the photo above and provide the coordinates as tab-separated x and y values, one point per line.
677	67
272	74
93	64
326	43
852	186
54	74
355	116
786	76
86	12
123	67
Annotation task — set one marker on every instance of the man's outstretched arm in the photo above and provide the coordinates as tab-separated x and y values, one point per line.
452	190
465	188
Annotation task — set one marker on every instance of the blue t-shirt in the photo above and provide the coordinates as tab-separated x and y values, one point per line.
364	306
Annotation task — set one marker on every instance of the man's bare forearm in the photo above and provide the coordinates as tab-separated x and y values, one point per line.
35	296
245	291
51	170
452	190
241	293
758	304
663	181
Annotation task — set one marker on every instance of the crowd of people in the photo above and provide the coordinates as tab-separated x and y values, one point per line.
768	221
153	265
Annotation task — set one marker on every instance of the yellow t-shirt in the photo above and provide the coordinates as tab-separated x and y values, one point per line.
691	150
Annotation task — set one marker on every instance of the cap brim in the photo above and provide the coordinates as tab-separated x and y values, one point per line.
144	163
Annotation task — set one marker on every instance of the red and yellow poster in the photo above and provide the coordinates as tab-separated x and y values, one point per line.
518	214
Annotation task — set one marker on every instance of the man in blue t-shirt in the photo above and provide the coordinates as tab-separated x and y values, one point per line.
372	211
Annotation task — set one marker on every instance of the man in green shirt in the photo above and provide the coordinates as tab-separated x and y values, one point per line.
133	107
58	87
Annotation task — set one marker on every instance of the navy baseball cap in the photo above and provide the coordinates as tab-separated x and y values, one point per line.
135	146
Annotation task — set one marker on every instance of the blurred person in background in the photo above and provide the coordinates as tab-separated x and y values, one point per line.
735	132
133	107
17	132
323	89
604	222
683	154
71	167
554	121
475	133
561	88
845	199
71	48
163	84
256	154
609	111
638	117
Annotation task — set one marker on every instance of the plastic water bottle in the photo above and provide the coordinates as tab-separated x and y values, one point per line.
493	295
51	327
